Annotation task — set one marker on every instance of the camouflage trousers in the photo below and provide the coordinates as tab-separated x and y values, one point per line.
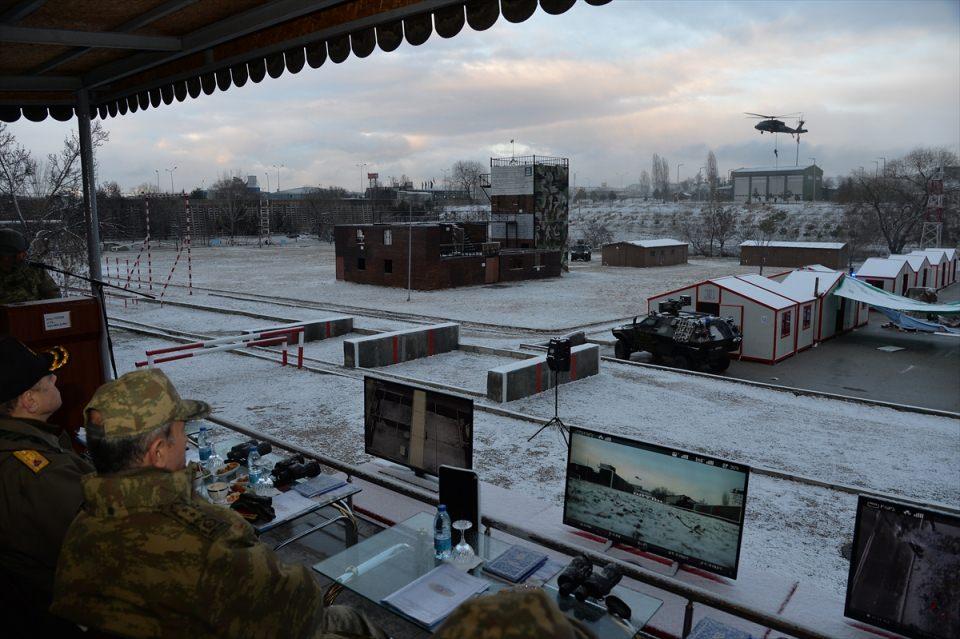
343	621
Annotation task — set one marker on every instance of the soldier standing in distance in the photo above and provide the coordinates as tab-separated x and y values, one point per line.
148	557
20	282
39	488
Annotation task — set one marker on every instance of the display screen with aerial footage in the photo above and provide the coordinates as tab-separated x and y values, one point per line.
421	429
905	569
670	502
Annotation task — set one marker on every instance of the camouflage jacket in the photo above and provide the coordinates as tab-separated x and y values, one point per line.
148	557
40	494
24	283
512	614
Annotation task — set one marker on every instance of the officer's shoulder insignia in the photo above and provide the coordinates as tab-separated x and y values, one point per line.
32	459
195	518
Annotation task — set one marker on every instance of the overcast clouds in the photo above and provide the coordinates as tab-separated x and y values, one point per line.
605	86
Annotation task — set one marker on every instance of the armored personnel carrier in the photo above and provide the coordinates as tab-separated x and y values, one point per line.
684	339
580	251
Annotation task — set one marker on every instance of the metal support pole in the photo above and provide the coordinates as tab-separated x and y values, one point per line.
92	218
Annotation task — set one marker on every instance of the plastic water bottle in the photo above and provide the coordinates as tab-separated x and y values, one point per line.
206	449
441	533
253	467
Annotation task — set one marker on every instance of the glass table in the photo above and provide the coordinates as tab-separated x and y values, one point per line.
391	559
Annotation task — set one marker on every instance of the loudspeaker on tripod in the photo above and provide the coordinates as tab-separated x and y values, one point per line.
558	354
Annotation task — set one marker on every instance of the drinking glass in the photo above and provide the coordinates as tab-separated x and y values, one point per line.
462	552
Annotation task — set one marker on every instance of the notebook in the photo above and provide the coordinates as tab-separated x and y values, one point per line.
516	563
432	597
319	485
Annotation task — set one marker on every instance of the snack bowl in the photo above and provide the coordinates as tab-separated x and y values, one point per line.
217	491
226	471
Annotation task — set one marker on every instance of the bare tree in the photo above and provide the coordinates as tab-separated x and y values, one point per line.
645	184
763	232
234	203
596	234
899	197
661	177
45	196
466	175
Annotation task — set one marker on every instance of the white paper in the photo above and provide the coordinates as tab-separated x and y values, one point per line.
435	595
56	321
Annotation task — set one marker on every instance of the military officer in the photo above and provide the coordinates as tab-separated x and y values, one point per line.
18	281
39	483
148	557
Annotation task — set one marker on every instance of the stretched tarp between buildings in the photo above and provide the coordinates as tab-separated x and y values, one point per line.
853	289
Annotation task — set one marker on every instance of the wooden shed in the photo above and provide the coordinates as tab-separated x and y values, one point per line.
794	254
645	253
893	276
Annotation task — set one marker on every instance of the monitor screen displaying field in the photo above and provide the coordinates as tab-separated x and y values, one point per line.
905	569
683	506
418	428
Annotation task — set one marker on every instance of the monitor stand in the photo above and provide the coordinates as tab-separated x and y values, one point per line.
415	478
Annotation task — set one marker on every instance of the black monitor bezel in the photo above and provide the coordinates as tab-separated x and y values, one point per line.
399	462
648	547
863	617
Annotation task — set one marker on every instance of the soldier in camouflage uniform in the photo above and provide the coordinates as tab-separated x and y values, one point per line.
512	614
148	557
18	281
40	490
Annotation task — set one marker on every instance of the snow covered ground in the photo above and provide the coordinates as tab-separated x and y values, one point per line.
791	529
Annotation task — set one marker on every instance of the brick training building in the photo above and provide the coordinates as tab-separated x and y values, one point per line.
439	255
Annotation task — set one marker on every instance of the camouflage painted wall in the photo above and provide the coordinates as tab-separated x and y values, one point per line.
552	205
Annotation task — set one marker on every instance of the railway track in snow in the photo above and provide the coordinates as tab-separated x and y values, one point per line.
326	367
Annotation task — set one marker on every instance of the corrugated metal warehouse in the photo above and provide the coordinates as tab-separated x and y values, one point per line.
833	255
777	184
645	253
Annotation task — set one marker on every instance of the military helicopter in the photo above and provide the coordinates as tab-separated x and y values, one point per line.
771	123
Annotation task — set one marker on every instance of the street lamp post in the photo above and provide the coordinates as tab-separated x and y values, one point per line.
170	171
277	167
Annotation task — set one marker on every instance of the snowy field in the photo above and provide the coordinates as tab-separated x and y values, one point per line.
792	529
681	531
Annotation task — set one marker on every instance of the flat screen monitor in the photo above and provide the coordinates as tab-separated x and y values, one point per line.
681	505
905	569
419	428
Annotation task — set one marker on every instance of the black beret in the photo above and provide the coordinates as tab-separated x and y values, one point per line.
20	368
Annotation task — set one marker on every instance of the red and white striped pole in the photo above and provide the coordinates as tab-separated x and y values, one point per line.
188	241
146	205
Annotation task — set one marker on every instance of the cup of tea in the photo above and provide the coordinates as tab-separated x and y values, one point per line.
217	491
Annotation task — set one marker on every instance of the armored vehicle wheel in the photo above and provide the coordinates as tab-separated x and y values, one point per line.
656	358
621	350
681	361
720	365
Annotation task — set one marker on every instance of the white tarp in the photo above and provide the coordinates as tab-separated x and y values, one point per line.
853	289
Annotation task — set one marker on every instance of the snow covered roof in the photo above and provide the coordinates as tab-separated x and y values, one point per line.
881	267
916	261
753	292
932	253
806	245
775	169
656	243
820	268
777	287
806	282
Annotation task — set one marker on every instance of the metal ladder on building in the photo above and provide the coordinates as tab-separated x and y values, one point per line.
264	227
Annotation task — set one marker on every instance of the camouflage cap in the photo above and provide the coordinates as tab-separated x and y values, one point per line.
511	614
138	403
11	242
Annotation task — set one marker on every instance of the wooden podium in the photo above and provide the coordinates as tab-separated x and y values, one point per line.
75	324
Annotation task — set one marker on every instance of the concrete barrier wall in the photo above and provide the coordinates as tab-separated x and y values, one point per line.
317	329
531	376
385	349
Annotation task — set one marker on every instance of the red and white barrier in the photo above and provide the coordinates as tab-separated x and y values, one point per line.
268	337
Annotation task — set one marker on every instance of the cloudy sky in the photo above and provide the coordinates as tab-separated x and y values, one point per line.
605	86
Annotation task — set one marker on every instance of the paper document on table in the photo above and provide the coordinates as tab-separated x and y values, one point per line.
432	597
287	506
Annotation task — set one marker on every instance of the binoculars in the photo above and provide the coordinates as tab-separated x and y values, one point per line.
579	579
240	452
293	468
254	507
